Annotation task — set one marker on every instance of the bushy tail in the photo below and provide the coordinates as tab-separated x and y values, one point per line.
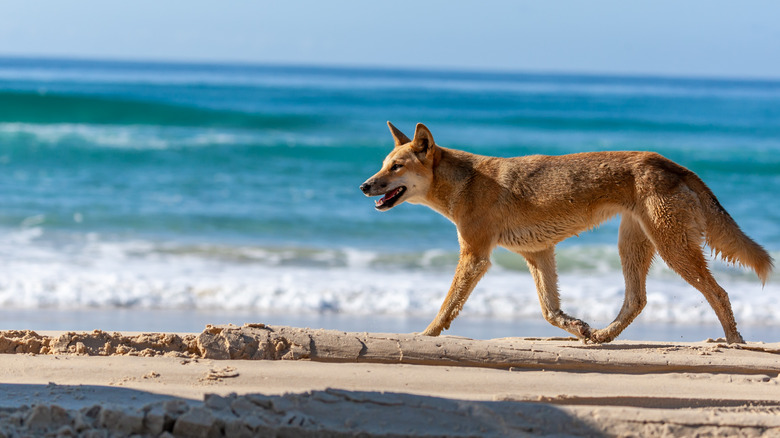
725	237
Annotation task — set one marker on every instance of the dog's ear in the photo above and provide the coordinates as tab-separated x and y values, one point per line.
399	137
422	143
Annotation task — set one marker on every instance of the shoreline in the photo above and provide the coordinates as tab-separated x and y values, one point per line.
475	327
561	385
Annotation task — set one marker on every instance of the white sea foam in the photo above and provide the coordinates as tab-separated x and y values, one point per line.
145	137
147	275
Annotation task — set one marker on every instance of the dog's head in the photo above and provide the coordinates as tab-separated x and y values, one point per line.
407	172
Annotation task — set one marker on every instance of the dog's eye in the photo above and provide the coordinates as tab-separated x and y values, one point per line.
396	167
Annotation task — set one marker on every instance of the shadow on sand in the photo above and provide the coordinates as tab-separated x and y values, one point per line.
41	409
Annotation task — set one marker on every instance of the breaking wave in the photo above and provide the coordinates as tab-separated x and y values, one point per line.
147	275
46	108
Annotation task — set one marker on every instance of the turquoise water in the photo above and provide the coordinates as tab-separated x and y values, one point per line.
232	187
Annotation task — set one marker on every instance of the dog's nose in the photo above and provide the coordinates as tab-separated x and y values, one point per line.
365	187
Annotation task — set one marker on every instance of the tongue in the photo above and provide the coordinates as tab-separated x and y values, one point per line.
387	196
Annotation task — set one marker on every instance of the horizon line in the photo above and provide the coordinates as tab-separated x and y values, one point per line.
395	68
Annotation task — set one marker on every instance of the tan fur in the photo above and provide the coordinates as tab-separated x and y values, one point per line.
529	204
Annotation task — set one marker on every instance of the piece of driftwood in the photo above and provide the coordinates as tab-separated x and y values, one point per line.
263	342
258	341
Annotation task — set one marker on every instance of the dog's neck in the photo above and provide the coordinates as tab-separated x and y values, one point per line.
452	169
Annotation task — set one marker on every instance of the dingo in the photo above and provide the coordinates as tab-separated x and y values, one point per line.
529	204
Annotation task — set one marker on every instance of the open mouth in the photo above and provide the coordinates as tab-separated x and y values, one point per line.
390	198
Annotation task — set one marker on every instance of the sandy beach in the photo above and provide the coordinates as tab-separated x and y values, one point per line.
243	381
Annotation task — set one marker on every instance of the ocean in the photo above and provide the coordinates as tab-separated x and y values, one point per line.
153	196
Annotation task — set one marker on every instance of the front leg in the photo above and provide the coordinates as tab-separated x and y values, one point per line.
471	267
543	270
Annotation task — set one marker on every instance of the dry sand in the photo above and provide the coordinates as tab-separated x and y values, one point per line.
329	383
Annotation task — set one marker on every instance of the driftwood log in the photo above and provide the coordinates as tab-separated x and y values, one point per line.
263	342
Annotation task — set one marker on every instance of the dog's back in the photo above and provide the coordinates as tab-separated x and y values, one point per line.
590	187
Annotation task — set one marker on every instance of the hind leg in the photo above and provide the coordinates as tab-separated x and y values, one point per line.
542	267
678	239
636	256
691	265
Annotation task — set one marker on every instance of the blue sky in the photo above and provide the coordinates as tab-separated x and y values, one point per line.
681	38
